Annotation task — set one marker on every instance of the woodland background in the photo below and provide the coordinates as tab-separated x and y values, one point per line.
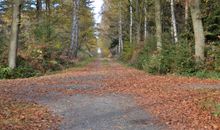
44	36
160	37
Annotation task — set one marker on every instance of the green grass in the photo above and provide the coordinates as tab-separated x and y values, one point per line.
83	63
212	106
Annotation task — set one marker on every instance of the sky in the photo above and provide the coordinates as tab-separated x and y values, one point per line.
97	9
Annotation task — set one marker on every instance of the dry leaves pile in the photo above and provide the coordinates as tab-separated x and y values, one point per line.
179	102
18	115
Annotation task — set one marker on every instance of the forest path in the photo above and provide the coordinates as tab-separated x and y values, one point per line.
108	96
82	110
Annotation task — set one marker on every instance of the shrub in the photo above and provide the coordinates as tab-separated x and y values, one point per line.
5	72
173	58
145	54
19	72
153	64
184	61
127	52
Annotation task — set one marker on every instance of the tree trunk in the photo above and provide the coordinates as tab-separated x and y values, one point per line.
120	49
75	30
48	5
138	21
174	28
145	22
131	22
186	11
198	30
39	8
158	24
14	34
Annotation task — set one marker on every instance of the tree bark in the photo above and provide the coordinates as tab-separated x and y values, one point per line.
120	49
186	11
158	24
145	22
198	30
174	28
131	22
39	8
138	21
75	30
48	5
14	34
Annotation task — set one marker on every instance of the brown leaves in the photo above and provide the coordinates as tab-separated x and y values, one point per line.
17	115
168	97
175	100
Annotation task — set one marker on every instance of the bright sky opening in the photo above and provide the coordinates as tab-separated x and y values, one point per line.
97	10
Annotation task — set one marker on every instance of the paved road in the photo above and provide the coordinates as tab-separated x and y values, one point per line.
87	111
109	112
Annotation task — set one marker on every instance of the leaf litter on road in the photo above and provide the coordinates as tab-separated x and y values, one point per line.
170	98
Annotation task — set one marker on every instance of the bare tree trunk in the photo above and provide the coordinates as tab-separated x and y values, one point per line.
120	49
48	5
131	21
174	28
39	8
158	24
14	34
138	21
186	11
198	30
145	22
75	30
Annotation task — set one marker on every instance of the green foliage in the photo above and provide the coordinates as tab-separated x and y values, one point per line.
153	64
173	58
44	37
211	19
127	52
217	60
212	106
44	31
145	53
217	110
19	72
207	74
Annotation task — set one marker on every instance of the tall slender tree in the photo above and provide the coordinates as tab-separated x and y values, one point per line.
145	21
47	2
186	11
174	28
14	33
131	21
158	24
120	48
39	7
138	24
75	30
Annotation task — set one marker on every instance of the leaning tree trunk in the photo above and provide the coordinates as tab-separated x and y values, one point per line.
198	30
75	30
158	24
14	34
131	22
174	28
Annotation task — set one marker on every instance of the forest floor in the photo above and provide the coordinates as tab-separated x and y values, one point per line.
108	96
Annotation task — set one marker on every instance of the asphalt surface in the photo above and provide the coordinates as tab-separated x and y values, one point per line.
90	112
